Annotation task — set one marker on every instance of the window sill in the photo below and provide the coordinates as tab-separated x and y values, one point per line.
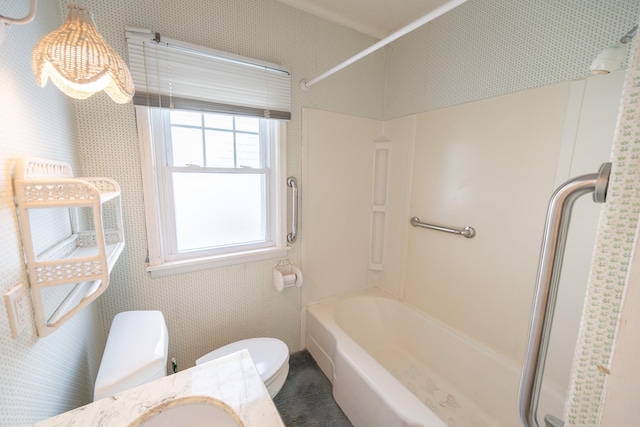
173	268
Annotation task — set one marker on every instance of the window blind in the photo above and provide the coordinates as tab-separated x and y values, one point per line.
174	74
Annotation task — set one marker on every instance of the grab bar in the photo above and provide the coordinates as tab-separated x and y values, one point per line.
553	243
293	184
467	232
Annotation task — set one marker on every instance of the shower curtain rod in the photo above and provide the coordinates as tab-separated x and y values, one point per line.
304	84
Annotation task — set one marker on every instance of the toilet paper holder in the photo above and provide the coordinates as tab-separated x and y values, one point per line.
285	274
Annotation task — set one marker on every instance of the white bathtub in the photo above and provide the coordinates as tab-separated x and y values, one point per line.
391	365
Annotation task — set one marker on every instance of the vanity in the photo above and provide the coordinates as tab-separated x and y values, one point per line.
225	392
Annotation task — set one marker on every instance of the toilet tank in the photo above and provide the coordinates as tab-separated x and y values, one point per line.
135	353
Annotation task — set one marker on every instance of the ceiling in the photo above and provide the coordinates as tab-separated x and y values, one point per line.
376	18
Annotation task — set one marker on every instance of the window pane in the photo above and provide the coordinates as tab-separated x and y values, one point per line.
248	149
218	121
188	118
248	124
219	149
186	144
215	210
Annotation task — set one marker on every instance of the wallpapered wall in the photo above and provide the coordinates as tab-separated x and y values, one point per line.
43	377
211	308
208	309
444	63
39	377
492	47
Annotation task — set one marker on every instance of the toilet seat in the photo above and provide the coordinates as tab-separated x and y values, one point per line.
269	355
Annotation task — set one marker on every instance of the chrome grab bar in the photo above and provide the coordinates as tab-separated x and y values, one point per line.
467	232
293	184
553	244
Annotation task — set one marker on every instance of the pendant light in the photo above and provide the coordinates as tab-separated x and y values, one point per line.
79	61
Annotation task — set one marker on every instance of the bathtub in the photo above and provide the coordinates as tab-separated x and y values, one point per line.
391	365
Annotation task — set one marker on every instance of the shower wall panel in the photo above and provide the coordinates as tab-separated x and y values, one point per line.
490	165
338	160
338	166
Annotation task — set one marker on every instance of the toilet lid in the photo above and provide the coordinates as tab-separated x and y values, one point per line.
268	354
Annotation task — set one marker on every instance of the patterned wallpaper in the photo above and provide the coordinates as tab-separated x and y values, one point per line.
207	309
39	377
488	48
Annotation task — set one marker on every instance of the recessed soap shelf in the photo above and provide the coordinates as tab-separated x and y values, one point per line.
381	158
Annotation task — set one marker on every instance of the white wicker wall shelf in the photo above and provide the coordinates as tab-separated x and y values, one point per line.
81	262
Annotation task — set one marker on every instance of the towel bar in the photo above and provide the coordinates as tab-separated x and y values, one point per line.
467	232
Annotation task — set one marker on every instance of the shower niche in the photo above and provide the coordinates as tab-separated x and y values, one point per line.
379	204
72	235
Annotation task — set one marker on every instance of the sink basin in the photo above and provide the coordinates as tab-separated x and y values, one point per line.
190	413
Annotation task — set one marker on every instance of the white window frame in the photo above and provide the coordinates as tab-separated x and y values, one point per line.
159	210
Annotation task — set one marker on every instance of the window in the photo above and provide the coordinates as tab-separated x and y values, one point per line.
213	187
212	153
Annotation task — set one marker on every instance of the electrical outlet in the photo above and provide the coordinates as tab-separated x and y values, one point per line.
17	308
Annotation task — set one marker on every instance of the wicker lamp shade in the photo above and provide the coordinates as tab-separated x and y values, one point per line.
79	61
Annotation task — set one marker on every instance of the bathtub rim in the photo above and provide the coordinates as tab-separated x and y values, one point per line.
404	401
553	395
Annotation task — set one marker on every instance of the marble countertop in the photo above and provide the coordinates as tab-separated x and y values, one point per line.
232	380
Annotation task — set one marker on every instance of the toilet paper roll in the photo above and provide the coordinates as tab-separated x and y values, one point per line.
285	275
278	280
298	275
289	279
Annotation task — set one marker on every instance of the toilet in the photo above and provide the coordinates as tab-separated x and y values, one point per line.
269	355
135	353
137	348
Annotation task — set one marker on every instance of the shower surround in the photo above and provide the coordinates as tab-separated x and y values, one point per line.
490	164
